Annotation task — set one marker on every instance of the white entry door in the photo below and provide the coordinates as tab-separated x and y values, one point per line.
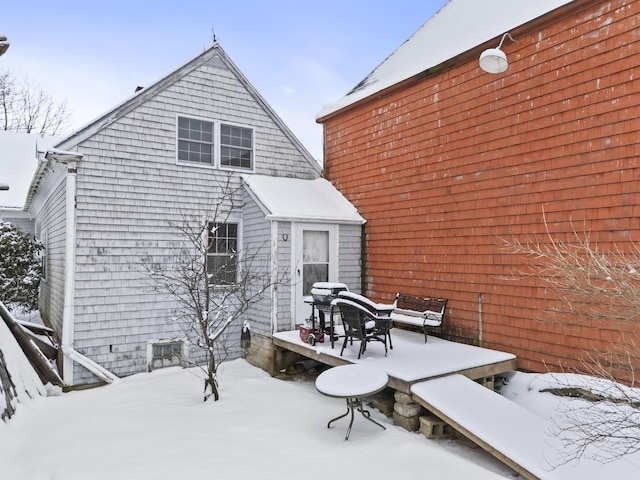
316	261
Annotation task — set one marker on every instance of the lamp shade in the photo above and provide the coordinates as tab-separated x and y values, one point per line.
493	60
4	43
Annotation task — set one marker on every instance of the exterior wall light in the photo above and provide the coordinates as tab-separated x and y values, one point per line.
494	60
4	43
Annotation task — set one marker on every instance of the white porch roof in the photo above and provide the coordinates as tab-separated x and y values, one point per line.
295	199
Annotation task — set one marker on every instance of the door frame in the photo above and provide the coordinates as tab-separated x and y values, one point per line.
300	310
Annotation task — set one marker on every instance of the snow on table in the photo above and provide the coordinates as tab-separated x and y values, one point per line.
349	381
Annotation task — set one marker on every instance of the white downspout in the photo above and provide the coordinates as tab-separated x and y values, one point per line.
69	273
274	276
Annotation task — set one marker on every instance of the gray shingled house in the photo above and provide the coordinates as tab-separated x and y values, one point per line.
104	199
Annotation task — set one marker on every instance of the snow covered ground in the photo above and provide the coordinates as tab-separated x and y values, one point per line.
154	425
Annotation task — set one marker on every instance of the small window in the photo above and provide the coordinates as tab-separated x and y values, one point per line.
195	141
167	354
44	241
222	253
236	147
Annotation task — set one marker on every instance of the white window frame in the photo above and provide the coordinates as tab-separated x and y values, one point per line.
43	237
216	145
239	240
212	144
251	150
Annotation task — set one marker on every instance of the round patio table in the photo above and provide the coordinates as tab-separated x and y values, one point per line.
352	382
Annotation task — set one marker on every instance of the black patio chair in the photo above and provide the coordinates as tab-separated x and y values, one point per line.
380	311
361	325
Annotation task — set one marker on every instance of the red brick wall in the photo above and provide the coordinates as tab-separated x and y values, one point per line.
445	168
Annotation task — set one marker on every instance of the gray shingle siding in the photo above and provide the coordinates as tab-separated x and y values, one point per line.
349	255
284	307
257	250
50	222
131	190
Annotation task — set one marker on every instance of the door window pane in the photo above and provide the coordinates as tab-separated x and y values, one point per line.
315	258
315	246
312	274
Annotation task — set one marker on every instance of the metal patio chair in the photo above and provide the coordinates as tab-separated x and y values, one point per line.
361	325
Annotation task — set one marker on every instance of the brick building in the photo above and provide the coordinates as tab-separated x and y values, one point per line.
445	161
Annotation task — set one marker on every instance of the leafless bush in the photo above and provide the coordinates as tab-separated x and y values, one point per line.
595	287
206	310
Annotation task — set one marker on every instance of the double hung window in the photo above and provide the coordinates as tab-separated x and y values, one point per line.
195	141
236	146
213	143
222	253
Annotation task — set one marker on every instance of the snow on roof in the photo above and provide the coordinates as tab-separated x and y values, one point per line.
299	199
18	164
458	27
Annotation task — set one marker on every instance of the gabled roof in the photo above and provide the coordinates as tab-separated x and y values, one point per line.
458	27
213	53
142	95
295	199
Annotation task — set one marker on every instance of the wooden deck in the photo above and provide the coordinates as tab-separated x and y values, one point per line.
411	360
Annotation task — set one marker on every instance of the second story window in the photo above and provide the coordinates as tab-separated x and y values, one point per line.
215	144
195	141
236	147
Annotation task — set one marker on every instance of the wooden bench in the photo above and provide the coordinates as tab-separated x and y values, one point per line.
420	312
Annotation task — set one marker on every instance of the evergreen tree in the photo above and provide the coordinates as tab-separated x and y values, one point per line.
20	268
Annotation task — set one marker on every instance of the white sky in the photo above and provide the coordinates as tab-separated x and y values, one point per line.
299	55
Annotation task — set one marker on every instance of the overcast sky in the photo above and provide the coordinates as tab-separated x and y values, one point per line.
299	54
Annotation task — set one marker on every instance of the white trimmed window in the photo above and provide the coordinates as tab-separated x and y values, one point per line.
222	253
211	143
43	238
195	141
236	147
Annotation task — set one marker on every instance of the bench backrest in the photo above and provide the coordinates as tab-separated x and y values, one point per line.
420	304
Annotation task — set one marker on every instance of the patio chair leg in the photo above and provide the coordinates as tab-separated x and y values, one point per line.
344	344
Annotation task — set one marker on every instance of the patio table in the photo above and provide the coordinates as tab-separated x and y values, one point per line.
352	382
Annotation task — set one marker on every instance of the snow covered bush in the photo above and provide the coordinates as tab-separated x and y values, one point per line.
20	268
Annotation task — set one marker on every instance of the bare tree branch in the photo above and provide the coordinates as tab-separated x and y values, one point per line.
593	287
25	107
205	311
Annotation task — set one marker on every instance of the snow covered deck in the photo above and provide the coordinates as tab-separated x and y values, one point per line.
411	360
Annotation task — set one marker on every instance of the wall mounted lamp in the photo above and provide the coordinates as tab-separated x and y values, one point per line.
494	60
4	43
